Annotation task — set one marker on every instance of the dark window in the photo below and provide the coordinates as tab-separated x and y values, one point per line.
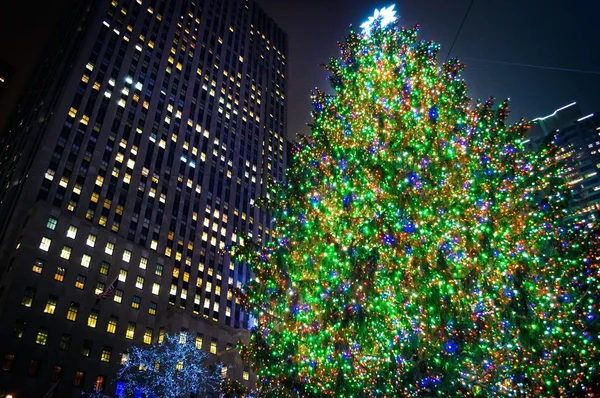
8	362
32	369
86	349
56	372
65	342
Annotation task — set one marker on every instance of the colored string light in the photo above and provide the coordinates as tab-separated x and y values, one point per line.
421	250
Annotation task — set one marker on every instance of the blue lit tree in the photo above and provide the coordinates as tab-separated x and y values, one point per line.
172	368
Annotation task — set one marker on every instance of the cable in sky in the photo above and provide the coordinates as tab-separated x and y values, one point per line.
588	72
459	29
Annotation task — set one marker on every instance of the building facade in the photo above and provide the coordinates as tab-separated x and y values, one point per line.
578	139
154	127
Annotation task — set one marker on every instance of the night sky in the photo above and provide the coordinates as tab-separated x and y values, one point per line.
548	33
555	33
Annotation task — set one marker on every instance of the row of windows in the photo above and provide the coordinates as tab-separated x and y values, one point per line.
86	260
64	344
91	67
73	310
65	339
33	367
91	242
119	149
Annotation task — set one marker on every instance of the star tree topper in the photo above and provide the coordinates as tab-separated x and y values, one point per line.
385	16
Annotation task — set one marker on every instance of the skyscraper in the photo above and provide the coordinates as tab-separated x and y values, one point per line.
578	138
152	128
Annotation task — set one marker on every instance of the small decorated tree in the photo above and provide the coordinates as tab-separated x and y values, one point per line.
172	368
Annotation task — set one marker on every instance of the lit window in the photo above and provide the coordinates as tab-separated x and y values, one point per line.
66	252
122	275
72	232
86	259
126	256
155	288
143	262
92	319
91	240
51	224
130	331
135	302
112	325
45	244
104	268
72	312
109	249
245	375
79	377
152	308
105	357
99	288
28	297
80	281
213	346
118	296
42	337
99	385
38	266
199	341
60	274
49	174
148	336
139	282
51	305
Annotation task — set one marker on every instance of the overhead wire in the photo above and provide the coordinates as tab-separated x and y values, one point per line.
459	29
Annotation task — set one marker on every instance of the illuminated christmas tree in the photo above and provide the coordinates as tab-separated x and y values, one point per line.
420	250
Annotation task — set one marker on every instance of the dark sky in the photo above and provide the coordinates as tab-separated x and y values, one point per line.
549	33
25	28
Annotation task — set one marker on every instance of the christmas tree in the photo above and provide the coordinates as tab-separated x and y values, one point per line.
420	250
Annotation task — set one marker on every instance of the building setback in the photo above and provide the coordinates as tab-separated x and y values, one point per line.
578	139
149	130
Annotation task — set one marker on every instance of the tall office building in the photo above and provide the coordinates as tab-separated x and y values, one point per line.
149	130
578	139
